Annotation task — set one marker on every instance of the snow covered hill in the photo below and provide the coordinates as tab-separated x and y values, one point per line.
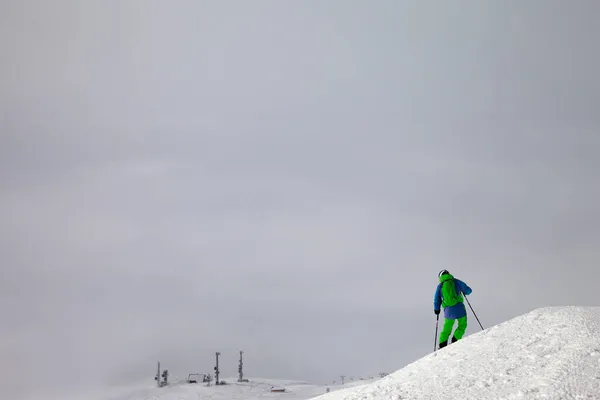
257	388
550	353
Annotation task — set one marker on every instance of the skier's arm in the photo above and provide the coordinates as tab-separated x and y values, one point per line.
464	287
437	299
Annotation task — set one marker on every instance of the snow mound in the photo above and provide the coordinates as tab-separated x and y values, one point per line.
550	353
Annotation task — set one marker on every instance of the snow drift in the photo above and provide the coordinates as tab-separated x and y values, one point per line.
550	353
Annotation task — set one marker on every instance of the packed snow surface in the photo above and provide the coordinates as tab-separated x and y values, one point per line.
550	353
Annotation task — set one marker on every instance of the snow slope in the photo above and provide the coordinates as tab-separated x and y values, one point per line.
550	353
255	389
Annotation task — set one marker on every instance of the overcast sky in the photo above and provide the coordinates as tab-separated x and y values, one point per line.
286	178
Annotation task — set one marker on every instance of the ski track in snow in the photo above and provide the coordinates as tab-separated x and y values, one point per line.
550	353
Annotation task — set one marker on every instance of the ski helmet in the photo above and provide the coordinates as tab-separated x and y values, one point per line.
443	272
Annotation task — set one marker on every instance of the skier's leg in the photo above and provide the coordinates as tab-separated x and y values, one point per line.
446	331
461	329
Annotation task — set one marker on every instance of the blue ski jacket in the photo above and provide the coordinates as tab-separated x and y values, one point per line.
457	311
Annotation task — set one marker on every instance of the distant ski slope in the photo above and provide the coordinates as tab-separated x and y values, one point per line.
550	353
257	388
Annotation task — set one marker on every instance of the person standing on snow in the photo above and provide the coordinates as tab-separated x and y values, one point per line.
449	294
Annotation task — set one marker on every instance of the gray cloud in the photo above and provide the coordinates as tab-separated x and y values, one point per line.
285	178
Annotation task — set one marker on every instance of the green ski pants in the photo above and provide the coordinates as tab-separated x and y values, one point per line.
458	333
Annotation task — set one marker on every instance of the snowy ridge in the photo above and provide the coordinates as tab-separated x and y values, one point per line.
256	388
550	353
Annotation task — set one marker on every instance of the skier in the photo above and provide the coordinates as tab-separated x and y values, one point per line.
449	294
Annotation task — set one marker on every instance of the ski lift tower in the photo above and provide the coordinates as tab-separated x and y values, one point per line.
217	368
240	369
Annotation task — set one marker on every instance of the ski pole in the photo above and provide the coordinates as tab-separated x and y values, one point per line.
436	331
473	312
